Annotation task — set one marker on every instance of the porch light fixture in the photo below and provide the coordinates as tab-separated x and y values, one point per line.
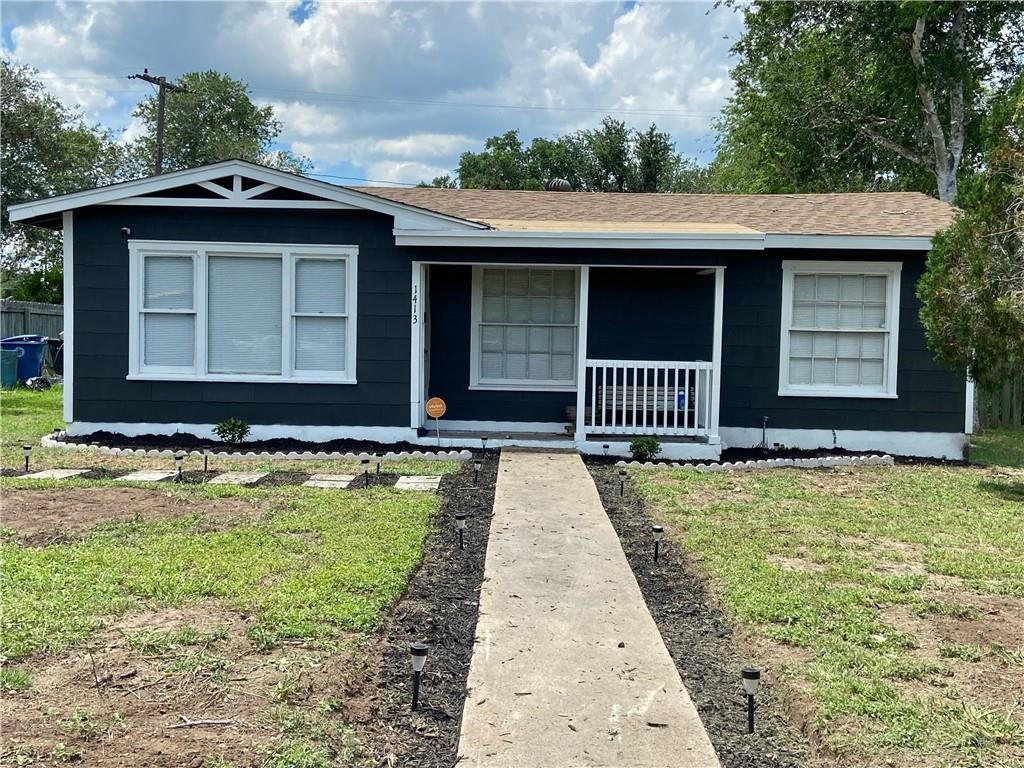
604	448
622	481
476	470
460	526
365	461
26	451
418	651
750	676
179	458
658	532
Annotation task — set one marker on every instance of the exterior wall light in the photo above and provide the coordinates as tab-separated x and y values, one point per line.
179	459
418	651
622	481
460	526
658	532
26	451
751	676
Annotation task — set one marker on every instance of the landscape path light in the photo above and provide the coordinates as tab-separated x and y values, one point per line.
658	532
26	451
365	461
460	526
622	481
604	448
418	651
476	470
206	459
179	458
483	444
751	676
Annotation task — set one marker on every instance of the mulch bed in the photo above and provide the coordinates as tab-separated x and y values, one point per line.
700	639
760	454
185	441
440	607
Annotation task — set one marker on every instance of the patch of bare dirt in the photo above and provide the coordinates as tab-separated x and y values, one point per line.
795	564
47	515
115	702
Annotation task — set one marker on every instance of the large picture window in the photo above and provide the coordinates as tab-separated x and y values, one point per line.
524	327
243	312
839	329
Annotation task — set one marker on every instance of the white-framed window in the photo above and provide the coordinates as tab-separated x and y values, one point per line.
840	329
525	323
242	312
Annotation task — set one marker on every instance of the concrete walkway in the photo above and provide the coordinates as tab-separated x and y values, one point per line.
568	669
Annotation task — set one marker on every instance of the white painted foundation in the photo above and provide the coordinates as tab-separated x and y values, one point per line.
935	445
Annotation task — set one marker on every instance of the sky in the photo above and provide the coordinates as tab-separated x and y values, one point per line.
395	92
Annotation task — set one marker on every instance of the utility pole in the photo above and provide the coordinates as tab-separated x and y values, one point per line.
162	87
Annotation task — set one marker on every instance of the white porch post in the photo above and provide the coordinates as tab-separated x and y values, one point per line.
581	356
416	315
716	357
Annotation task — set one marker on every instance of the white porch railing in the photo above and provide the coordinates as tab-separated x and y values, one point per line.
648	397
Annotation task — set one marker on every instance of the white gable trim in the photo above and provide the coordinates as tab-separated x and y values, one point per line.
406	216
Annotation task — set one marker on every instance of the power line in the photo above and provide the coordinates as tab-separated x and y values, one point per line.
360	178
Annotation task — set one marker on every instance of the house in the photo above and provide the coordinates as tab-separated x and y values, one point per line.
318	312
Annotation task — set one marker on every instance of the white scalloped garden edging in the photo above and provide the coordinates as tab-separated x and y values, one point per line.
50	442
871	460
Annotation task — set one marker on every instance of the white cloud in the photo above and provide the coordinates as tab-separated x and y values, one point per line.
380	89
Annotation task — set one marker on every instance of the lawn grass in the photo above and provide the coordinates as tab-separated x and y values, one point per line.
323	561
839	573
998	448
27	415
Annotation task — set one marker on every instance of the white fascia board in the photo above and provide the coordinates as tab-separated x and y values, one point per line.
850	242
405	215
631	240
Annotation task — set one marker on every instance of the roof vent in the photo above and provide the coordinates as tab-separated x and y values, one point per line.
558	185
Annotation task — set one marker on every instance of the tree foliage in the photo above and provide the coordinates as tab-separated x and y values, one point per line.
214	119
973	291
46	149
609	158
837	96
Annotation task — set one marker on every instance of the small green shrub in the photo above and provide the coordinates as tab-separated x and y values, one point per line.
232	430
964	651
644	448
13	679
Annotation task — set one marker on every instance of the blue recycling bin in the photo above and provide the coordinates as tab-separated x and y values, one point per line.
30	363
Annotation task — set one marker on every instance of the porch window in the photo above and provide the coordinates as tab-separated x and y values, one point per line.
242	312
525	323
840	322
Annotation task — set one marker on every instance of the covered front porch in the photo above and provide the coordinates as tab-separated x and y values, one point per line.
587	356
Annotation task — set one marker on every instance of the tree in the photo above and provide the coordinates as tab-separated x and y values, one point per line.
839	95
214	119
973	290
610	158
46	149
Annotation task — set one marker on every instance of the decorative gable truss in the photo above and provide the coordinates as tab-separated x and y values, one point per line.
237	184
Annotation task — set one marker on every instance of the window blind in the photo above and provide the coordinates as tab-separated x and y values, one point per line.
244	314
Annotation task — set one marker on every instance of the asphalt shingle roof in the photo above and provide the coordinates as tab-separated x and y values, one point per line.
865	213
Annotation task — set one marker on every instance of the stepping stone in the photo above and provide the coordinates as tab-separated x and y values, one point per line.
146	476
418	483
237	478
329	481
56	474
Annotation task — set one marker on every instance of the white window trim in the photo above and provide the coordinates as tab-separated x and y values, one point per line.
888	269
289	253
476	315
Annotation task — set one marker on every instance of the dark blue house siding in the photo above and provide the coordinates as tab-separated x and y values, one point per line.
101	392
931	398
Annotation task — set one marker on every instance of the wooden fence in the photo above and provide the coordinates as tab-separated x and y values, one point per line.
1003	407
20	318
